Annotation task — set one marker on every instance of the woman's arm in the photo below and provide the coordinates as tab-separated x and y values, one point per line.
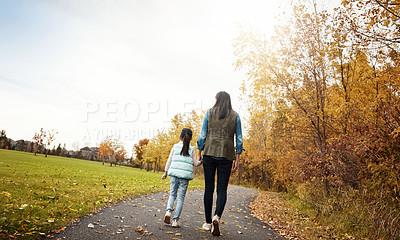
239	137
200	158
203	133
235	164
239	144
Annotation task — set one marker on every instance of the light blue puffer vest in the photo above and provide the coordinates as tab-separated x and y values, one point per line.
181	166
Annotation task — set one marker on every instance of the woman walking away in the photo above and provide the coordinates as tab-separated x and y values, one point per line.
220	126
180	168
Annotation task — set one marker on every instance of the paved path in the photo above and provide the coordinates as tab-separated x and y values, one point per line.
142	218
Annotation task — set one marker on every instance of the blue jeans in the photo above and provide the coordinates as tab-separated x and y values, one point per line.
223	168
182	185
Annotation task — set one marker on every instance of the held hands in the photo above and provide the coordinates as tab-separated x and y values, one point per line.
200	157
164	176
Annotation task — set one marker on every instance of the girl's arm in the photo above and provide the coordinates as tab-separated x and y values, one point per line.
168	164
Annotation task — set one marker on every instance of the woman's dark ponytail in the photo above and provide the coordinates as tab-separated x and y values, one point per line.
186	136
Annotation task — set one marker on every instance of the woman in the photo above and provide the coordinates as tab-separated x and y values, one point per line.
220	126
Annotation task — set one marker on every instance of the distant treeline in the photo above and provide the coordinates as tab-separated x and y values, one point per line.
86	153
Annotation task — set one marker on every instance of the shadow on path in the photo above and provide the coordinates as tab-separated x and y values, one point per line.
142	218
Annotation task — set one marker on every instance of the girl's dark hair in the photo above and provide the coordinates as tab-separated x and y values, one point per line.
223	105
186	136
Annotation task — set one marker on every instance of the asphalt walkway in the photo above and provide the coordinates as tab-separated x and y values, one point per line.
142	218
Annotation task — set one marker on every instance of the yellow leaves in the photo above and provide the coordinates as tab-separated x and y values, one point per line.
345	3
7	194
348	236
142	230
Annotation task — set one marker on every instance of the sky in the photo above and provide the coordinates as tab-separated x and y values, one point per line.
92	69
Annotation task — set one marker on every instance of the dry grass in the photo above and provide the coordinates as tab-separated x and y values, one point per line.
292	218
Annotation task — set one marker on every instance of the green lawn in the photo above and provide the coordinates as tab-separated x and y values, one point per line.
38	194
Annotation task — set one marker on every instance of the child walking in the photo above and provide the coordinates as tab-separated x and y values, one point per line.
180	168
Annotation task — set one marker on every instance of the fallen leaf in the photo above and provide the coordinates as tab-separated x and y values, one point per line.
139	229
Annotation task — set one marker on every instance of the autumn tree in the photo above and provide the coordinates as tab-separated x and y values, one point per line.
119	151
374	20
138	150
375	27
156	152
291	67
58	150
38	139
323	108
106	150
3	139
50	137
112	150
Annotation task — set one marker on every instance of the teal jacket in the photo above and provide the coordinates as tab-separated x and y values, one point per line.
181	166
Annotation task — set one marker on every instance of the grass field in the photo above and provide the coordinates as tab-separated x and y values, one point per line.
38	194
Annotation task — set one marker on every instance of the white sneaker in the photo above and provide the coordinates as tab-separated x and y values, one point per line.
175	223
215	226
167	217
206	226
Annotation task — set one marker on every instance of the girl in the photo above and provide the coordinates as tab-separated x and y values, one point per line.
221	126
180	168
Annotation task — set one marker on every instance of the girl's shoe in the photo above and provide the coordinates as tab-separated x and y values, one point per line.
215	226
207	226
167	217
175	223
